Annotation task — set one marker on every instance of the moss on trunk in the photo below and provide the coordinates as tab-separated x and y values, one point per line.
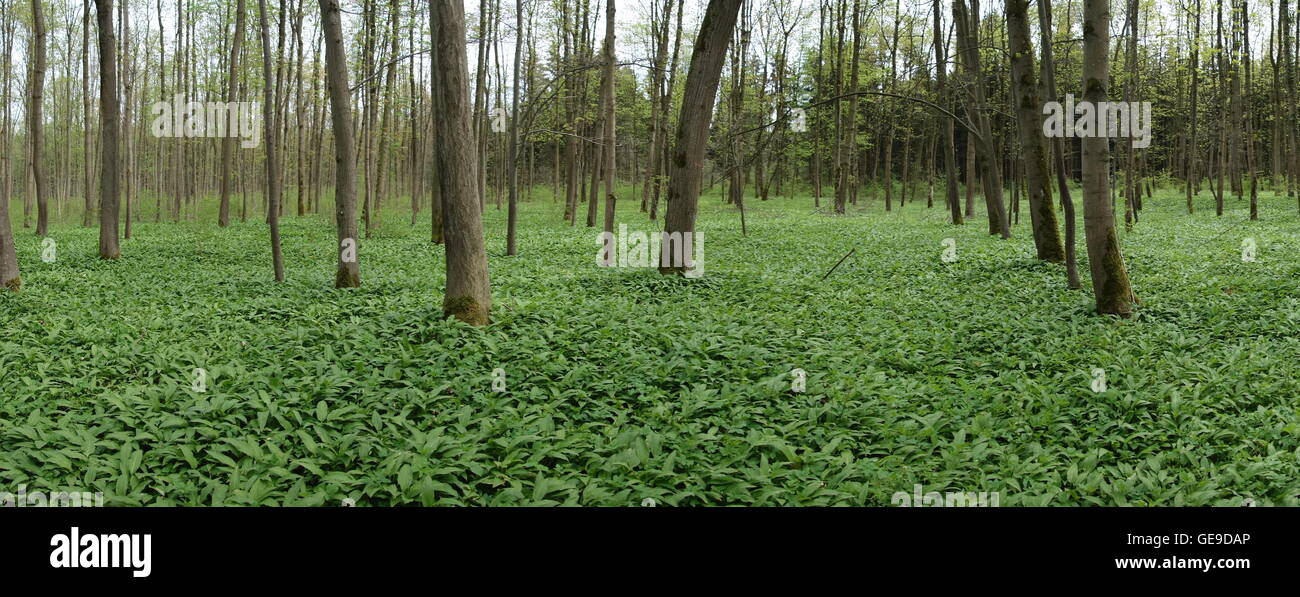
466	309
1116	296
346	279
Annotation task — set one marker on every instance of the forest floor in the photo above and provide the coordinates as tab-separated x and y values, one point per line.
621	384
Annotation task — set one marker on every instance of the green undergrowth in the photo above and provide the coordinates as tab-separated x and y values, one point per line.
622	384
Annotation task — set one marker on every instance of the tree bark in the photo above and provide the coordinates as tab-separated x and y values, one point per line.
469	291
1110	282
227	144
269	100
128	95
610	152
1028	107
88	216
945	122
1058	146
348	272
1193	177
686	168
658	112
968	45
1251	168
666	103
35	119
10	277
512	216
108	116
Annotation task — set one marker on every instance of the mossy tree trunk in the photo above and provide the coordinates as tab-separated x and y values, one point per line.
1028	107
1110	281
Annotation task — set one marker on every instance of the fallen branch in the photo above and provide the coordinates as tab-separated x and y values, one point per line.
837	264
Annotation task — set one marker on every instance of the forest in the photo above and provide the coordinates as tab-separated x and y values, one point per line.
397	252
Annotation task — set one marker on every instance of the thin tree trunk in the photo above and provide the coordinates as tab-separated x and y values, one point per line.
10	276
35	119
658	112
1058	146
1251	167
269	100
967	24
1193	149
1028	107
108	116
666	104
512	165
607	108
946	122
1222	170
128	166
348	273
88	216
227	144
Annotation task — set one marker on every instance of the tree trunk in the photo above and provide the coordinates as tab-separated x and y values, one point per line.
88	216
945	122
270	98
1250	119
968	44
736	103
10	277
1288	65
227	144
128	166
1110	281
666	105
512	165
35	120
348	273
1193	149
1028	107
610	152
469	291
108	116
1221	172
1058	145
686	168
658	113
1130	90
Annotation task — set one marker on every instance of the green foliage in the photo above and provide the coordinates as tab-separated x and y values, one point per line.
623	384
